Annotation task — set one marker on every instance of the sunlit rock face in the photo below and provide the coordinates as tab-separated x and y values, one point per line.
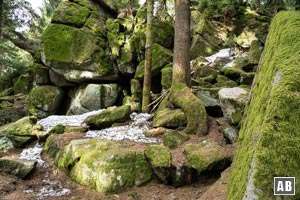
73	45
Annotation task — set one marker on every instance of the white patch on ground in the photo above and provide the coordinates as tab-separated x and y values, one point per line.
223	53
133	132
52	189
242	55
70	120
34	153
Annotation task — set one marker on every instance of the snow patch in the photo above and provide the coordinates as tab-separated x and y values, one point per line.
34	154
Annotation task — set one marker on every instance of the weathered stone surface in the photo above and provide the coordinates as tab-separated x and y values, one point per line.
231	134
18	167
21	131
268	143
103	165
169	118
71	14
233	101
89	97
204	156
159	156
45	100
5	144
108	117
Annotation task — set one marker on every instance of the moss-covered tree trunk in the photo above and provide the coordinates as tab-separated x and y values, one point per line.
148	58
269	138
180	94
182	43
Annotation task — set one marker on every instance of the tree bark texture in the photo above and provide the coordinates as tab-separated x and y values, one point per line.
181	60
148	58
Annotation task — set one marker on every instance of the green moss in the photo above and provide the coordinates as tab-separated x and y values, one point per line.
169	118
21	131
255	52
58	129
223	81
269	135
71	14
23	84
44	100
173	139
232	72
160	57
193	108
65	45
159	156
204	155
51	146
108	117
166	76
136	89
134	105
104	165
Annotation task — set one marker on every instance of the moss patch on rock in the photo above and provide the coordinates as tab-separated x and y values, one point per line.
204	155
169	118
106	166
108	117
21	131
70	13
269	136
159	156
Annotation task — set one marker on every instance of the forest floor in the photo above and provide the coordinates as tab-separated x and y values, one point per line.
44	181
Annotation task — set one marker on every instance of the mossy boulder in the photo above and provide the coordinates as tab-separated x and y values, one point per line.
169	118
223	81
20	132
172	139
45	100
231	134
58	129
232	72
23	84
268	144
204	156
158	156
76	54
106	166
233	102
18	167
134	105
70	13
89	97
160	57
5	144
108	117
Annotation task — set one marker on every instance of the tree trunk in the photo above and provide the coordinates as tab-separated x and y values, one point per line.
181	60
148	58
1	18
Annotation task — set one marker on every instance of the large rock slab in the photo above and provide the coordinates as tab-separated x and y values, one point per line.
20	132
19	167
89	97
104	165
268	144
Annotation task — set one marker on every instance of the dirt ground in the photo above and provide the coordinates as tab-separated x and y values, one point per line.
212	188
